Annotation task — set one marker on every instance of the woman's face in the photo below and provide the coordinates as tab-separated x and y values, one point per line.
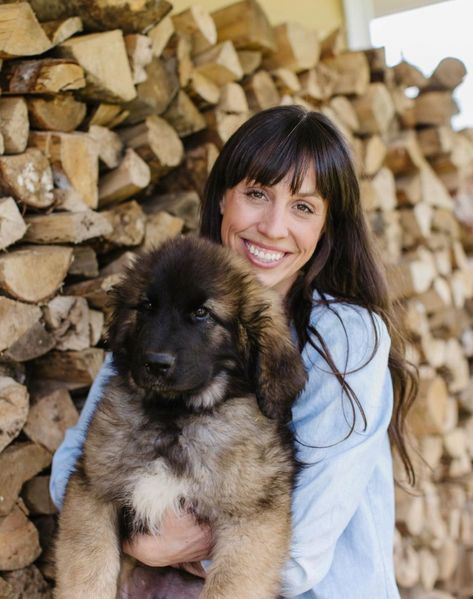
276	231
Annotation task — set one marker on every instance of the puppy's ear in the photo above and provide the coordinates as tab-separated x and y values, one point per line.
276	362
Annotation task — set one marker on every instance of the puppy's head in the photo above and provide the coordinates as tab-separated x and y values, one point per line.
191	322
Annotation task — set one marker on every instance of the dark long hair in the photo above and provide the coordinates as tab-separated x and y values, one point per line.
344	266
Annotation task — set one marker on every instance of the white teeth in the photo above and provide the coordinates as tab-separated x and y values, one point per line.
262	255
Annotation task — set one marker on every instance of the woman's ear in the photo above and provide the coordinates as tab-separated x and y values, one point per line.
222	204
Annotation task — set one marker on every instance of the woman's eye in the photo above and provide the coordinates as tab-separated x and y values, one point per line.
256	194
304	208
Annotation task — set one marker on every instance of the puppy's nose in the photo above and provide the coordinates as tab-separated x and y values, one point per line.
159	363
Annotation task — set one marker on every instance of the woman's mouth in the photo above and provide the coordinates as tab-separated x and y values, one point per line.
261	256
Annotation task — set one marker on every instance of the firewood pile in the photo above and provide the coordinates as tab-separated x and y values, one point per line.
111	115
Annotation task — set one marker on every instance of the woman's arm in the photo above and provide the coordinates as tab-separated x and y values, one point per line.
70	449
331	488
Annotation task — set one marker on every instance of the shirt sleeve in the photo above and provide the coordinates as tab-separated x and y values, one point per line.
331	486
70	449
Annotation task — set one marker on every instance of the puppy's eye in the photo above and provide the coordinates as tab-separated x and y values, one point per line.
201	313
145	306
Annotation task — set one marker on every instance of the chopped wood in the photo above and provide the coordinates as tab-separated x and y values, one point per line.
75	368
332	43
233	99
95	291
183	204
18	463
66	227
353	73
19	541
156	93
435	108
448	74
28	178
32	273
34	342
139	52
199	25
104	60
298	48
250	60
74	159
62	29
67	319
20	32
184	115
16	318
96	326
223	124
408	75
375	109
416	223
130	177
438	297
160	35
12	225
220	64
50	415
374	153
410	277
404	154
69	200
84	262
261	91
109	144
127	224
98	15
108	115
435	141
156	142
14	405
246	25
405	108
14	124
286	81
346	113
427	415
202	91
46	76
319	83
36	496
61	112
160	227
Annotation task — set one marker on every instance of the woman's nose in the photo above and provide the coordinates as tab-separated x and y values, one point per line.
273	223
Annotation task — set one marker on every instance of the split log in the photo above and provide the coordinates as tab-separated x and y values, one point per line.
220	64
109	145
108	115
404	154
410	277
16	320
286	81
96	326
375	109
405	108
20	32
184	116
261	91
319	83
197	23
127	225
156	142
353	73
73	368
28	178
36	496
202	91
428	413
84	262
448	74
435	108
12	225
61	112
33	273
98	15
160	35
139	52
104	60
18	463
14	406
66	227
408	75
250	60
297	48
69	200
416	223
387	230
332	43
95	291
246	25
223	124
160	227
19	541
74	159
184	204
130	177
14	124
155	93
345	112
46	76
50	415
67	319
373	155
60	30
435	141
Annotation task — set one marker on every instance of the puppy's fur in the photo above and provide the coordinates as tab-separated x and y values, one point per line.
195	419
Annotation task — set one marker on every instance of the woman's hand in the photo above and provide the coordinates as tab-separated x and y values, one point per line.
180	541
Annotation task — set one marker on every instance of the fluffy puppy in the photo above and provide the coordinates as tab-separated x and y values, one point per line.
195	419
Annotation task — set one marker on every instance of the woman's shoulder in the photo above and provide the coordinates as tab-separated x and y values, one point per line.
344	325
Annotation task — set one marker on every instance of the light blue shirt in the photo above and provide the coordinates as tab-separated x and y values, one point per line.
343	505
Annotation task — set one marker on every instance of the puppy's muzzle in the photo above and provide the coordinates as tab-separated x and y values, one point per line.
159	364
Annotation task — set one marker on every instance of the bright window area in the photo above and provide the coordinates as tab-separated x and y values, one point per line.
426	35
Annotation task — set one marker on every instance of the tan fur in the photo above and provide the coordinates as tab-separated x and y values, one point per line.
239	468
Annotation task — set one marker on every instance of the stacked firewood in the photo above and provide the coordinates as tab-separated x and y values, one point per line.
111	115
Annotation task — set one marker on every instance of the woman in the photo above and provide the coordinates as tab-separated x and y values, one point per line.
283	193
